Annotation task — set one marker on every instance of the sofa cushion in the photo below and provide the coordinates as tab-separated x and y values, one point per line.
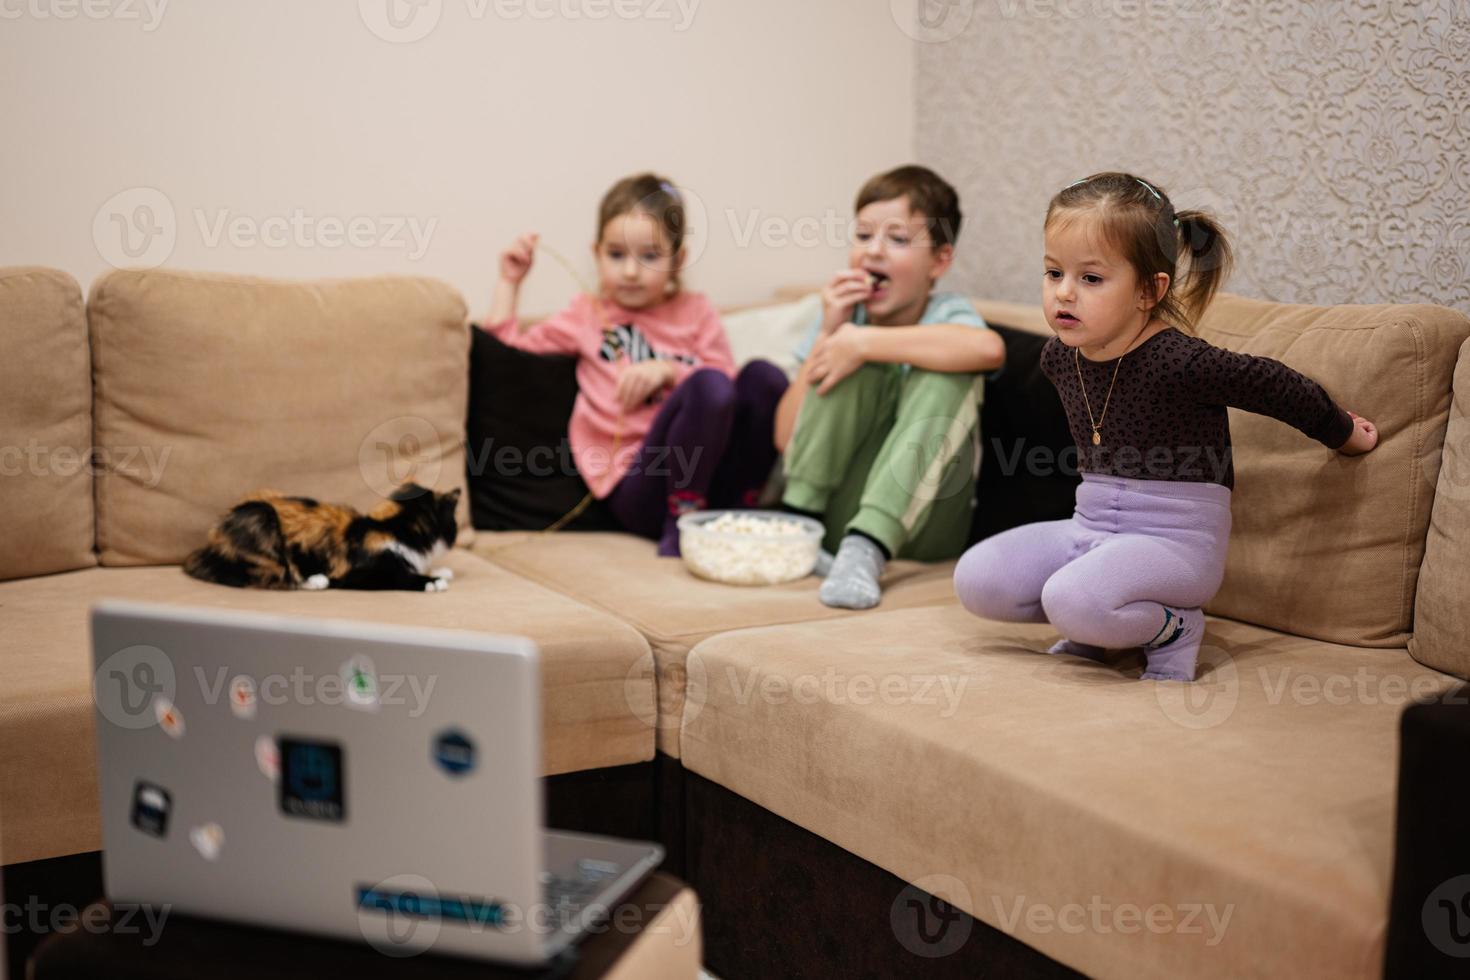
1442	609
674	610
598	684
521	474
215	386
1299	508
46	523
1238	826
1026	474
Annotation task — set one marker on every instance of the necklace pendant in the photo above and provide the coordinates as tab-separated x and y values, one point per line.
1096	438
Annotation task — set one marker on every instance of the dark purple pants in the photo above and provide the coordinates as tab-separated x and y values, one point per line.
712	442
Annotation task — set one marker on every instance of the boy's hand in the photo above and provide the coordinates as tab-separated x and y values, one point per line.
639	381
1364	437
516	261
841	296
836	356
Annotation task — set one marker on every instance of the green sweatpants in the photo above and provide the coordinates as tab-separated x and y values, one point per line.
891	453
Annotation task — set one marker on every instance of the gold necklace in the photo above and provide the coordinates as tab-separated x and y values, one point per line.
1096	425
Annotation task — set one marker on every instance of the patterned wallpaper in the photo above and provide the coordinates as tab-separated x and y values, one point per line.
1332	139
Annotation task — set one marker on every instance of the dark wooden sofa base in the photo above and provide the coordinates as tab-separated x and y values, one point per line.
780	901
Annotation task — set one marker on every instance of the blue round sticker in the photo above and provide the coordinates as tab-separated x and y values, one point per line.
454	752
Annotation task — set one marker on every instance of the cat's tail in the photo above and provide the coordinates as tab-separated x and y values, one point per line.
245	550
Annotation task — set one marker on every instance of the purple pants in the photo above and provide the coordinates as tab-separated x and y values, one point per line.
712	443
1101	577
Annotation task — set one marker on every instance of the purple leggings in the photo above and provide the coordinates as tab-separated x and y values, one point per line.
1101	577
712	441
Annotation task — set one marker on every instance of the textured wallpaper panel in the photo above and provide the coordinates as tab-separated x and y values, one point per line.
1333	139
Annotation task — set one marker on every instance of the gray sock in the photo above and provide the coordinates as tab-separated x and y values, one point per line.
853	581
824	563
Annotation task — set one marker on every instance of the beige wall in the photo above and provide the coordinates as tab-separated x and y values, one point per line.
246	137
1332	138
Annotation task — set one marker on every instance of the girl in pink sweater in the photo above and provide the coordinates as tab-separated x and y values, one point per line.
661	424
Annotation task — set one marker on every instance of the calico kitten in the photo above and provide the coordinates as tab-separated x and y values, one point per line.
272	541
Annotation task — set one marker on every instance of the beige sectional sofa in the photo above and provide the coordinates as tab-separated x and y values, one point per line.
1240	826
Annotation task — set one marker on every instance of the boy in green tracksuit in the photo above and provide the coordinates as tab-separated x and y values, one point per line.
878	427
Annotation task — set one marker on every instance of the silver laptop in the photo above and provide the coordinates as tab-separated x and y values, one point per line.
367	782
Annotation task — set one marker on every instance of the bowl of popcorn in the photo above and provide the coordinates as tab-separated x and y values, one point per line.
749	547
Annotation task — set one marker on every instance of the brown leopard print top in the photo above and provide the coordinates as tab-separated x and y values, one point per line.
1167	418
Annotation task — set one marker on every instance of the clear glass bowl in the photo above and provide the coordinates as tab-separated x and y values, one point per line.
748	556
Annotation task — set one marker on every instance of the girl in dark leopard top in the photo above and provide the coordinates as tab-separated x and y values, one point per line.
1126	277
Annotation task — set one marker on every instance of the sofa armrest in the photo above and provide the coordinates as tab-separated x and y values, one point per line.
1429	913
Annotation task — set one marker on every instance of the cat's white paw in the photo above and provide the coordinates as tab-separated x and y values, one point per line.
445	574
437	585
316	583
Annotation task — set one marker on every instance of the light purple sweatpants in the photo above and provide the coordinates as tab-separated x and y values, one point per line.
1102	577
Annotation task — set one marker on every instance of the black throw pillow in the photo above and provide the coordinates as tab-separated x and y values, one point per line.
522	476
1028	470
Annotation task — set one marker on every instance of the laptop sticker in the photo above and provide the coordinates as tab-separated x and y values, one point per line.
151	806
207	840
268	757
170	719
360	681
454	752
311	780
242	697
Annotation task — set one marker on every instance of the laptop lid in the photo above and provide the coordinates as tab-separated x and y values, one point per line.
356	780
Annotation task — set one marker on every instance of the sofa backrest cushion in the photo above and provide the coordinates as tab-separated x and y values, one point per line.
46	516
1442	610
521	473
1324	545
1027	473
208	387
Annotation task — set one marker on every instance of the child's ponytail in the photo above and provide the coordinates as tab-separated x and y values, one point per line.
1207	260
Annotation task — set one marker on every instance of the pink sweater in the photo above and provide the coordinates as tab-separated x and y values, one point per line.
685	331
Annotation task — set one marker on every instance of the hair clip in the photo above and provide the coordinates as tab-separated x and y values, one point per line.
669	189
1155	193
1075	183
